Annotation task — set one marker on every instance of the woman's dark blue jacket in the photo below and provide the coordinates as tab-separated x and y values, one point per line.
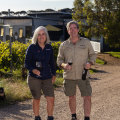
45	56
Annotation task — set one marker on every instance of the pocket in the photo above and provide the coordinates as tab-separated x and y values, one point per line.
48	52
87	81
82	52
65	83
82	46
68	52
68	75
29	78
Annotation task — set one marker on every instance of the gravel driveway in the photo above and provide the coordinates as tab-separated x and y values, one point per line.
105	100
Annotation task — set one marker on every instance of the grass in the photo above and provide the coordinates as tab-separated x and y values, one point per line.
15	88
99	61
114	54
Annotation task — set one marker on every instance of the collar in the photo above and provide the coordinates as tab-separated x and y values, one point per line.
40	47
76	42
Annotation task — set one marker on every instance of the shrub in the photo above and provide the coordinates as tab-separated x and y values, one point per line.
18	54
17	57
55	46
4	55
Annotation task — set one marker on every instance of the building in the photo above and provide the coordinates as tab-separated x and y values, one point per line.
22	27
18	27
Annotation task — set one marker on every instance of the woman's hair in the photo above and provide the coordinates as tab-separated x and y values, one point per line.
72	22
36	32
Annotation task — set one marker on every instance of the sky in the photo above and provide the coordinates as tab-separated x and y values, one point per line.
18	5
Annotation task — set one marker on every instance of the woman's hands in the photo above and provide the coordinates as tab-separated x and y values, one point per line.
35	71
53	79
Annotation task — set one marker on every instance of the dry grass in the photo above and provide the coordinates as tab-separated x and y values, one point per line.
15	90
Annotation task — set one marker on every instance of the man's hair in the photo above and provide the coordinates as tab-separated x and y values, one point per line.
72	22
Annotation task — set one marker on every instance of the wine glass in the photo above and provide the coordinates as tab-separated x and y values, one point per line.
70	62
39	66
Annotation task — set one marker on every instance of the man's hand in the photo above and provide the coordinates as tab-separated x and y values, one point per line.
35	71
66	66
88	66
53	79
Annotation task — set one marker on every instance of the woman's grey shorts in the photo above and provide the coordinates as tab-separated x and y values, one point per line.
38	86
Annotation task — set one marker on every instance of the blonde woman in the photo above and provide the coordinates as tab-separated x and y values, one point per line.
40	63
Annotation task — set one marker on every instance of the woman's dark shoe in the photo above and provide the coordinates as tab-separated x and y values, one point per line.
37	118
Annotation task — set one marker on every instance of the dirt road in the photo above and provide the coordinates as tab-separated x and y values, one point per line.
105	100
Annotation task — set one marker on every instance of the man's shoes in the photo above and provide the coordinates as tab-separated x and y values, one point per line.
87	118
37	118
50	118
74	118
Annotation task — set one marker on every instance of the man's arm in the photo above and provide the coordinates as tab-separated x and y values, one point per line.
91	54
60	57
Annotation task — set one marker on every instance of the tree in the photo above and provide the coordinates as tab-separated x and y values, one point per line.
17	13
4	12
11	12
101	17
79	16
49	10
68	10
23	12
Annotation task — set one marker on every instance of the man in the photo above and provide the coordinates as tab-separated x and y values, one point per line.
80	53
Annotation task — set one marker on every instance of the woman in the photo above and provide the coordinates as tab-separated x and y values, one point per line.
40	63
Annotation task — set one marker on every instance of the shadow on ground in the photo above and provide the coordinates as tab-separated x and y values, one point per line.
15	111
98	71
